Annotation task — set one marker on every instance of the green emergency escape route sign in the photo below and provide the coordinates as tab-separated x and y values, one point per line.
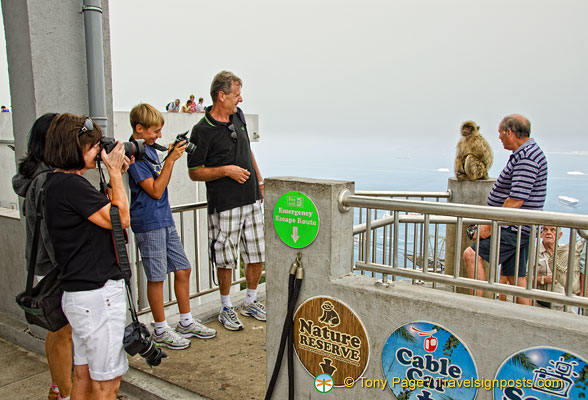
296	219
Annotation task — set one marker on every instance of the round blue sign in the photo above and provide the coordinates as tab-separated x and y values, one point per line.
422	360
542	373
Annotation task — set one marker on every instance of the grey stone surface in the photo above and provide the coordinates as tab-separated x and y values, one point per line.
492	330
45	48
12	262
327	258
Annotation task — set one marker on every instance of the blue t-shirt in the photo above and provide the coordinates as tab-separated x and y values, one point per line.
147	213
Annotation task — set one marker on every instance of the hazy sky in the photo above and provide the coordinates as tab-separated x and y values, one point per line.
393	69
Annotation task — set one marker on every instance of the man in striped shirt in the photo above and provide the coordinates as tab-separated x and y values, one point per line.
521	184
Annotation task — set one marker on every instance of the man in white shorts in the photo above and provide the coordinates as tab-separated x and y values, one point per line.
223	159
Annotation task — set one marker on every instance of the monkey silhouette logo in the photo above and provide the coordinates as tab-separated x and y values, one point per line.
474	156
330	316
327	366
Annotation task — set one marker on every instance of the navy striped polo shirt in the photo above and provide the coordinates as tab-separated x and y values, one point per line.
523	178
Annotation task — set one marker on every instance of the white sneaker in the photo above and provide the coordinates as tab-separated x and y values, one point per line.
255	310
170	339
197	329
228	317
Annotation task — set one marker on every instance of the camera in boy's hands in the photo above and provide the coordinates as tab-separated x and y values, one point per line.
135	148
137	339
190	147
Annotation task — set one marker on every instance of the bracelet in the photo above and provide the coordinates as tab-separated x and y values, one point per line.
260	183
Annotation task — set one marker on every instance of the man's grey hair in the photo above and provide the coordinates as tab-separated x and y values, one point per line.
223	81
518	124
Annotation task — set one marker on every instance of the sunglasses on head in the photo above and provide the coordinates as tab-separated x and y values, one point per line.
87	127
233	133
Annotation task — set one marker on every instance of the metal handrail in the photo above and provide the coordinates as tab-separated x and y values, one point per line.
424	213
388	193
416	219
189	207
476	284
513	216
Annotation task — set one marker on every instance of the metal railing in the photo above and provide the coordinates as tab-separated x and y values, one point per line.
404	249
188	223
419	239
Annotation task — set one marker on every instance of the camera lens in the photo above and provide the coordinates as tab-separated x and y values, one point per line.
190	148
153	355
135	148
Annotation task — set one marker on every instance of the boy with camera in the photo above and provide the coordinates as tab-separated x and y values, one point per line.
155	232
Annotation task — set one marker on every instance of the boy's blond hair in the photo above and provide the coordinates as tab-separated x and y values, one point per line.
146	115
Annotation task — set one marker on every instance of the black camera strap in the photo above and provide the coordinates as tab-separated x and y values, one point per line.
35	242
122	258
145	156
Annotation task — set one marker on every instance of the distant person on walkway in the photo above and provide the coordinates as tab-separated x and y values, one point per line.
192	104
521	184
187	108
155	232
173	106
32	174
224	160
4	109
200	105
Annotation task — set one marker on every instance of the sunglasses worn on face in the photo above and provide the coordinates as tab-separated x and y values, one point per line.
87	127
233	133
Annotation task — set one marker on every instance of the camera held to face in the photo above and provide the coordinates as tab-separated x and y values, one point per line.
135	148
190	147
137	339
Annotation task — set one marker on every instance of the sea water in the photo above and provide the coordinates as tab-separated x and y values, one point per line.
376	163
407	164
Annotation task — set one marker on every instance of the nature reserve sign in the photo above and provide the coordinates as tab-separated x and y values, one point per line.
296	219
330	339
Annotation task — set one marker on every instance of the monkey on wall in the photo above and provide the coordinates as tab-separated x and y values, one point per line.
474	156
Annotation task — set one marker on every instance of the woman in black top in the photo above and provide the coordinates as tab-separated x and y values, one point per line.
78	220
32	172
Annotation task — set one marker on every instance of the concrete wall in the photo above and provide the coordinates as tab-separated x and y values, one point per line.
491	330
45	48
8	199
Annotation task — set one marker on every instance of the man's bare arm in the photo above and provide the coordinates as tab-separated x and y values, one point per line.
207	174
259	177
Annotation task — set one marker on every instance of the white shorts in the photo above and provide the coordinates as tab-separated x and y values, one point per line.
97	318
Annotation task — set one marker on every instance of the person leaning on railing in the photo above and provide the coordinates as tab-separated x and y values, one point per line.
545	277
79	225
521	184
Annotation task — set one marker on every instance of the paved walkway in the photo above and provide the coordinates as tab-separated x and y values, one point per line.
230	366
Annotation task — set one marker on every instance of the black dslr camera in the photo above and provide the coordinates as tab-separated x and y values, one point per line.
134	148
190	147
137	339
